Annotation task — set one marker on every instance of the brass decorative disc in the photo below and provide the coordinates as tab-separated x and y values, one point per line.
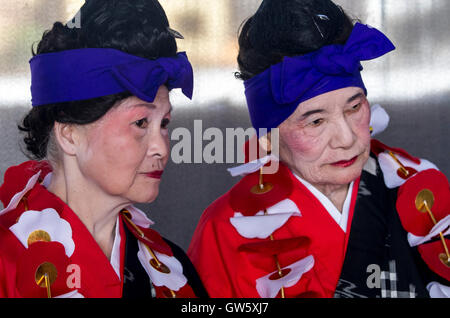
277	275
45	268
38	236
424	196
266	187
444	259
160	267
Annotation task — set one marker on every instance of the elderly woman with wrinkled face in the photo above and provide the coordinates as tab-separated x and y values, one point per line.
98	132
340	212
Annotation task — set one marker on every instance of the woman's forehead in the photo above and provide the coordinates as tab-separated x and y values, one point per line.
161	103
341	96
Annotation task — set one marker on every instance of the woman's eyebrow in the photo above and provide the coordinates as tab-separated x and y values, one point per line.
151	106
148	105
354	97
312	112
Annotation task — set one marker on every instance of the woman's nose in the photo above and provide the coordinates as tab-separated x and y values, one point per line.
159	145
343	136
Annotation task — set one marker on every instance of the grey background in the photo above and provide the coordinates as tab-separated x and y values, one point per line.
412	84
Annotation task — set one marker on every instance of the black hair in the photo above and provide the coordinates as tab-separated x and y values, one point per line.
138	27
289	28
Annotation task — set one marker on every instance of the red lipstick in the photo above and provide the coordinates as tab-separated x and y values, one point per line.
155	174
345	163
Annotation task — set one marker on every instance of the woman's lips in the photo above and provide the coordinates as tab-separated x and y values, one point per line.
345	163
155	174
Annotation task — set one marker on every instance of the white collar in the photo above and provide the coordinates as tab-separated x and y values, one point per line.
115	253
340	218
140	219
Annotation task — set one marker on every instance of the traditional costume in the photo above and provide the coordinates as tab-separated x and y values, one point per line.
45	249
276	235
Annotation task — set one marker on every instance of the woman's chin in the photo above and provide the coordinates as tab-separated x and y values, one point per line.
151	198
145	196
346	175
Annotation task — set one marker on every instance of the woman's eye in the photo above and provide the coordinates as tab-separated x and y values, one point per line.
356	107
316	122
165	122
141	123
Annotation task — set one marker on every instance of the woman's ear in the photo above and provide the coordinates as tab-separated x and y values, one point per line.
65	135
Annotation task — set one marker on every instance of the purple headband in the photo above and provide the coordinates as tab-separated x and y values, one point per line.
81	74
273	95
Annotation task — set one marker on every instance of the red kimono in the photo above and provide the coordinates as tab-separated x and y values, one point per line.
284	242
46	251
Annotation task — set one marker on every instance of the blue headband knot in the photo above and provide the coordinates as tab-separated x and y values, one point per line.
143	78
273	95
335	60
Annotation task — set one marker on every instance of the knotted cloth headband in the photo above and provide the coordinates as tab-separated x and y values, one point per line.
273	95
81	74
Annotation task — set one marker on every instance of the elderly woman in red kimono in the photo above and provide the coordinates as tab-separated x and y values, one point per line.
343	215
101	107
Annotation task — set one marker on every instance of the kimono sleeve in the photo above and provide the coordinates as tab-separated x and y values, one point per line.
2	279
206	255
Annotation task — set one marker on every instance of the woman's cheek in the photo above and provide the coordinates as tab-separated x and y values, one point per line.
362	128
300	143
166	138
360	120
365	113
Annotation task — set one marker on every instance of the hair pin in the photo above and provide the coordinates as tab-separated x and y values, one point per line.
317	26
323	17
175	34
